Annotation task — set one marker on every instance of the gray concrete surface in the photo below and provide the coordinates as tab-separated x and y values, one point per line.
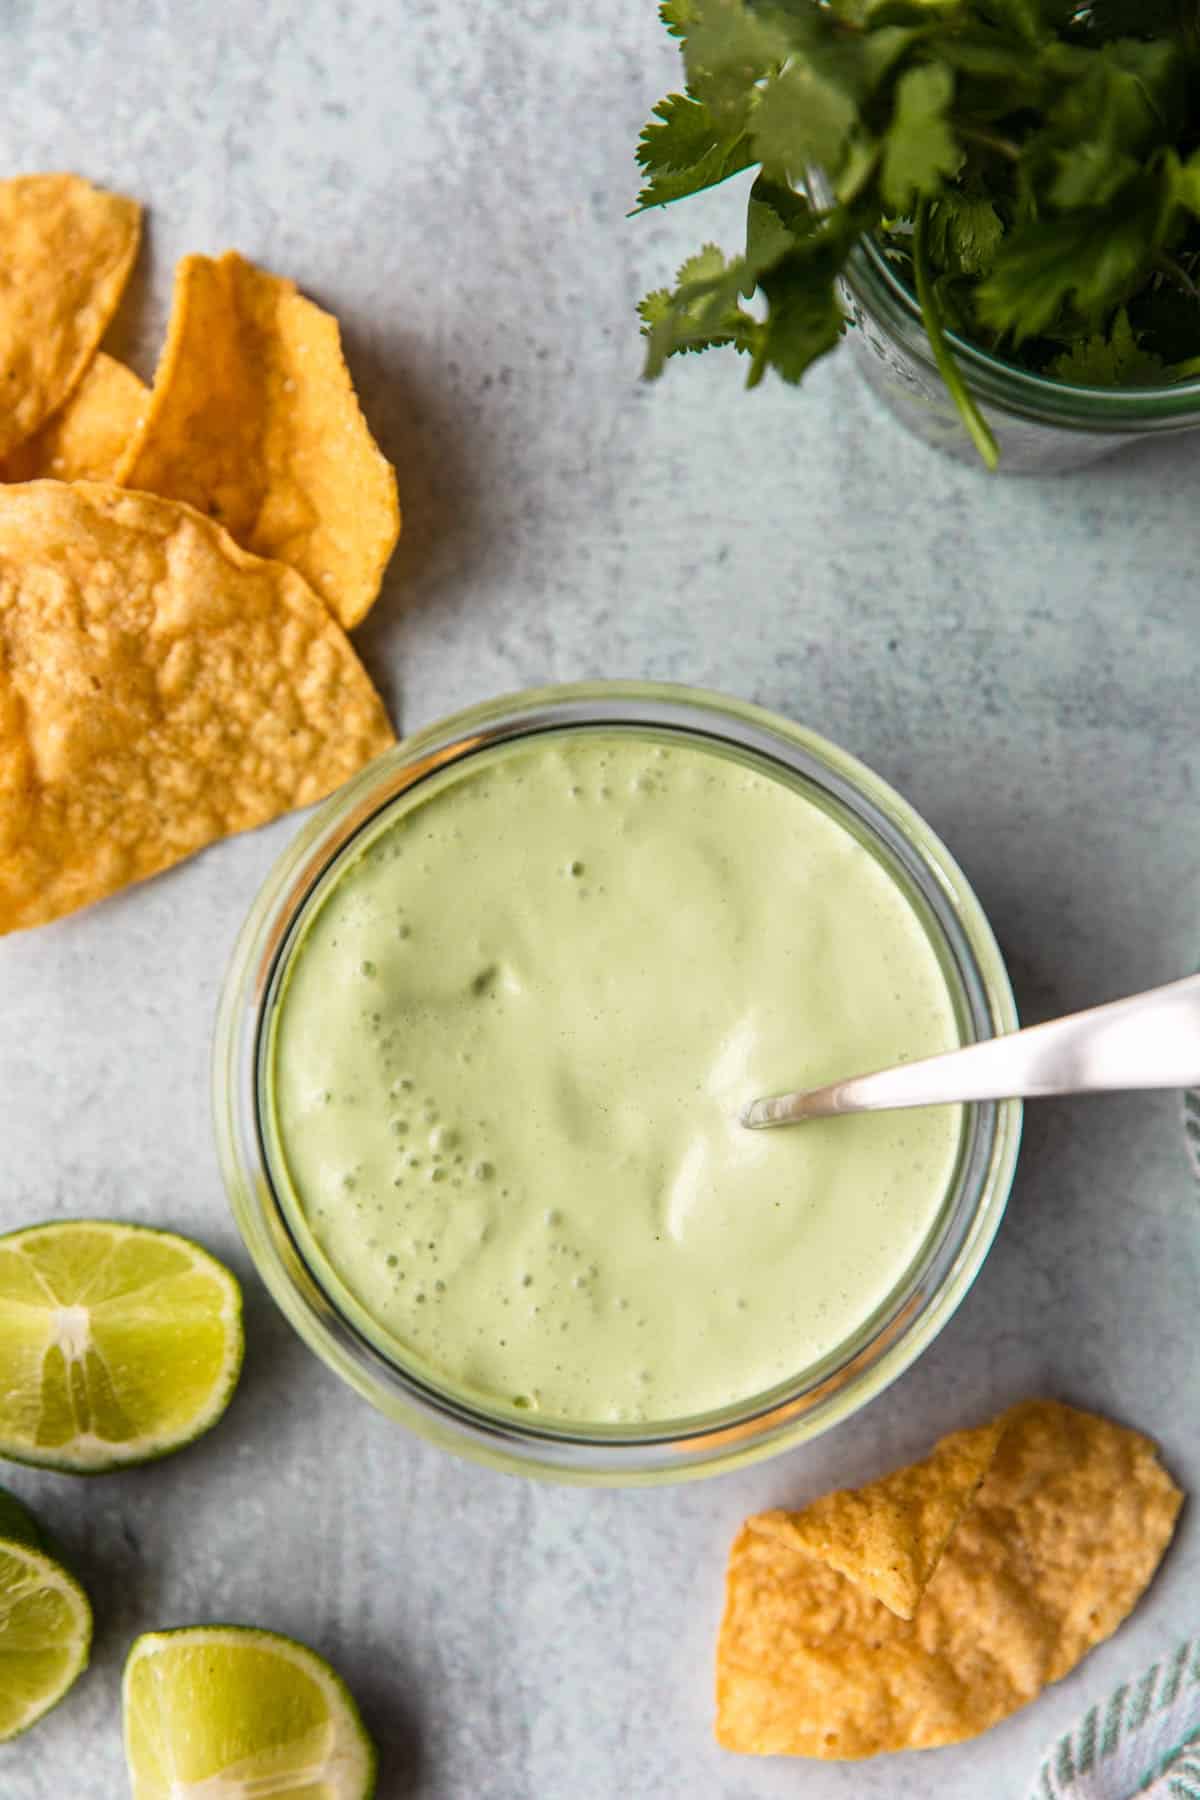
1022	659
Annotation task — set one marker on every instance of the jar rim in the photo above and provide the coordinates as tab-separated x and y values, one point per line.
1167	405
674	1449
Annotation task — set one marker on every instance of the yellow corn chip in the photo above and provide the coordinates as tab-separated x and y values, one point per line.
83	441
254	421
66	249
159	688
888	1537
1061	1540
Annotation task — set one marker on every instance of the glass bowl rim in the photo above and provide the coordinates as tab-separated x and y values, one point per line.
756	1427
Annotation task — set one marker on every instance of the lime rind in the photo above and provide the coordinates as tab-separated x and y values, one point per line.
31	1583
88	1453
330	1758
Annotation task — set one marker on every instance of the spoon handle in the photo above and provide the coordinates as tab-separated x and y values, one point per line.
1149	1040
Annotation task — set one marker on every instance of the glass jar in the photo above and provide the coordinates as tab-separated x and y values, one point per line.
1042	426
818	1396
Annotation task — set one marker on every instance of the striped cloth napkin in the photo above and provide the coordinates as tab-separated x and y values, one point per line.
1144	1740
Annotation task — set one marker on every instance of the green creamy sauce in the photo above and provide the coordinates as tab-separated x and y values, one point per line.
508	1060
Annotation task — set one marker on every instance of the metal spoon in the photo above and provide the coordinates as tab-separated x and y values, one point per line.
1149	1040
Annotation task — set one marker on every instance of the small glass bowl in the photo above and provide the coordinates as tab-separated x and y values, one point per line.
818	1396
1042	426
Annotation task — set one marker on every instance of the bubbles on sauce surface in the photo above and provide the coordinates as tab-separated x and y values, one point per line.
440	1216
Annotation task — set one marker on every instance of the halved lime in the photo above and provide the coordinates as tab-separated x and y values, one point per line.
118	1344
224	1709
45	1622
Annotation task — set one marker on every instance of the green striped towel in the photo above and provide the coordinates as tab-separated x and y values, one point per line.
1144	1740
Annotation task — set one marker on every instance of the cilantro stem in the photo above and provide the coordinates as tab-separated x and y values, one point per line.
935	330
988	140
1175	269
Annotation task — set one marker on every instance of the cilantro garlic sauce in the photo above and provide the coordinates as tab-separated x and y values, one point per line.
509	1052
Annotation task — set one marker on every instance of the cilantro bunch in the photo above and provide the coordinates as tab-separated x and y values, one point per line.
1031	168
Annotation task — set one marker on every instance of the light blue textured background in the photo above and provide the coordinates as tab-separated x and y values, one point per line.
1021	659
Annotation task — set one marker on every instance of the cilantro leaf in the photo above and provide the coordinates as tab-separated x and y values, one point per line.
1090	175
1090	259
1002	75
702	311
685	133
793	257
798	255
1115	359
654	308
711	171
804	319
677	15
870	57
803	118
965	231
919	152
777	219
809	114
1184	180
686	151
1120	99
727	51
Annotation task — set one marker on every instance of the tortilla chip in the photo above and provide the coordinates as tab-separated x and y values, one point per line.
1060	1542
888	1537
66	249
254	421
84	440
159	688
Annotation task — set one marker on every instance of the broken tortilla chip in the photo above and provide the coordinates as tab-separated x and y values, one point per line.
84	440
1061	1540
159	688
66	249
888	1537
253	420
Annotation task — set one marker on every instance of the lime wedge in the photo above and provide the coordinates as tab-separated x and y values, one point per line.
118	1344
45	1622
222	1710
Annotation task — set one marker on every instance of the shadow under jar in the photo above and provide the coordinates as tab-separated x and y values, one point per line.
623	752
1041	426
